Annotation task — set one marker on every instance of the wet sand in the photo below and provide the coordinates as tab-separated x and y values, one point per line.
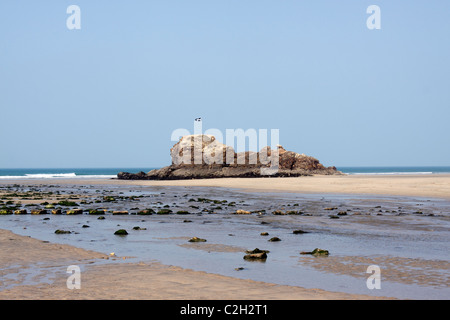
35	269
125	281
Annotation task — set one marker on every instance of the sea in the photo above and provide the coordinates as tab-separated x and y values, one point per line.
66	173
106	173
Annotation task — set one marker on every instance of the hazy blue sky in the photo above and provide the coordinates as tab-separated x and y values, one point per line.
111	93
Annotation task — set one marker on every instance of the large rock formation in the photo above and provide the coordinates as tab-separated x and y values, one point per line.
202	156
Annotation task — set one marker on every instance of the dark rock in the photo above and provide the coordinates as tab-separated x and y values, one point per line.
121	232
96	212
195	239
131	176
146	212
256	250
68	203
62	231
39	212
74	211
317	252
164	211
256	256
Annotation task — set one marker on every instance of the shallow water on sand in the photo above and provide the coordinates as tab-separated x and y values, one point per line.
408	238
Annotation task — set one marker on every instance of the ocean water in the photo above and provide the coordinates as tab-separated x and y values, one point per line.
395	170
102	173
65	173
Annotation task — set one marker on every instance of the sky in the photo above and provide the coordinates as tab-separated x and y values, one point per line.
111	93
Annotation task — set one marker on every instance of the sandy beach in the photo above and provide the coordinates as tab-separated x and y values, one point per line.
134	281
36	269
424	185
408	185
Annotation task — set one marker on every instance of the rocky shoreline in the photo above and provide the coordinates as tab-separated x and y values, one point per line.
216	160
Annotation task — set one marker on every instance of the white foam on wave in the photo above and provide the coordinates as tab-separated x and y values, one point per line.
56	176
387	173
109	176
50	175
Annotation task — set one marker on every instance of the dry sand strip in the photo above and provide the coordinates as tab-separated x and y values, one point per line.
113	280
413	185
434	186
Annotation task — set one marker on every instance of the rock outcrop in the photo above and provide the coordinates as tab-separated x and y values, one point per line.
202	156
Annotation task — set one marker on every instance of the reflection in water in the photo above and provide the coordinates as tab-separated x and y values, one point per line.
408	238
